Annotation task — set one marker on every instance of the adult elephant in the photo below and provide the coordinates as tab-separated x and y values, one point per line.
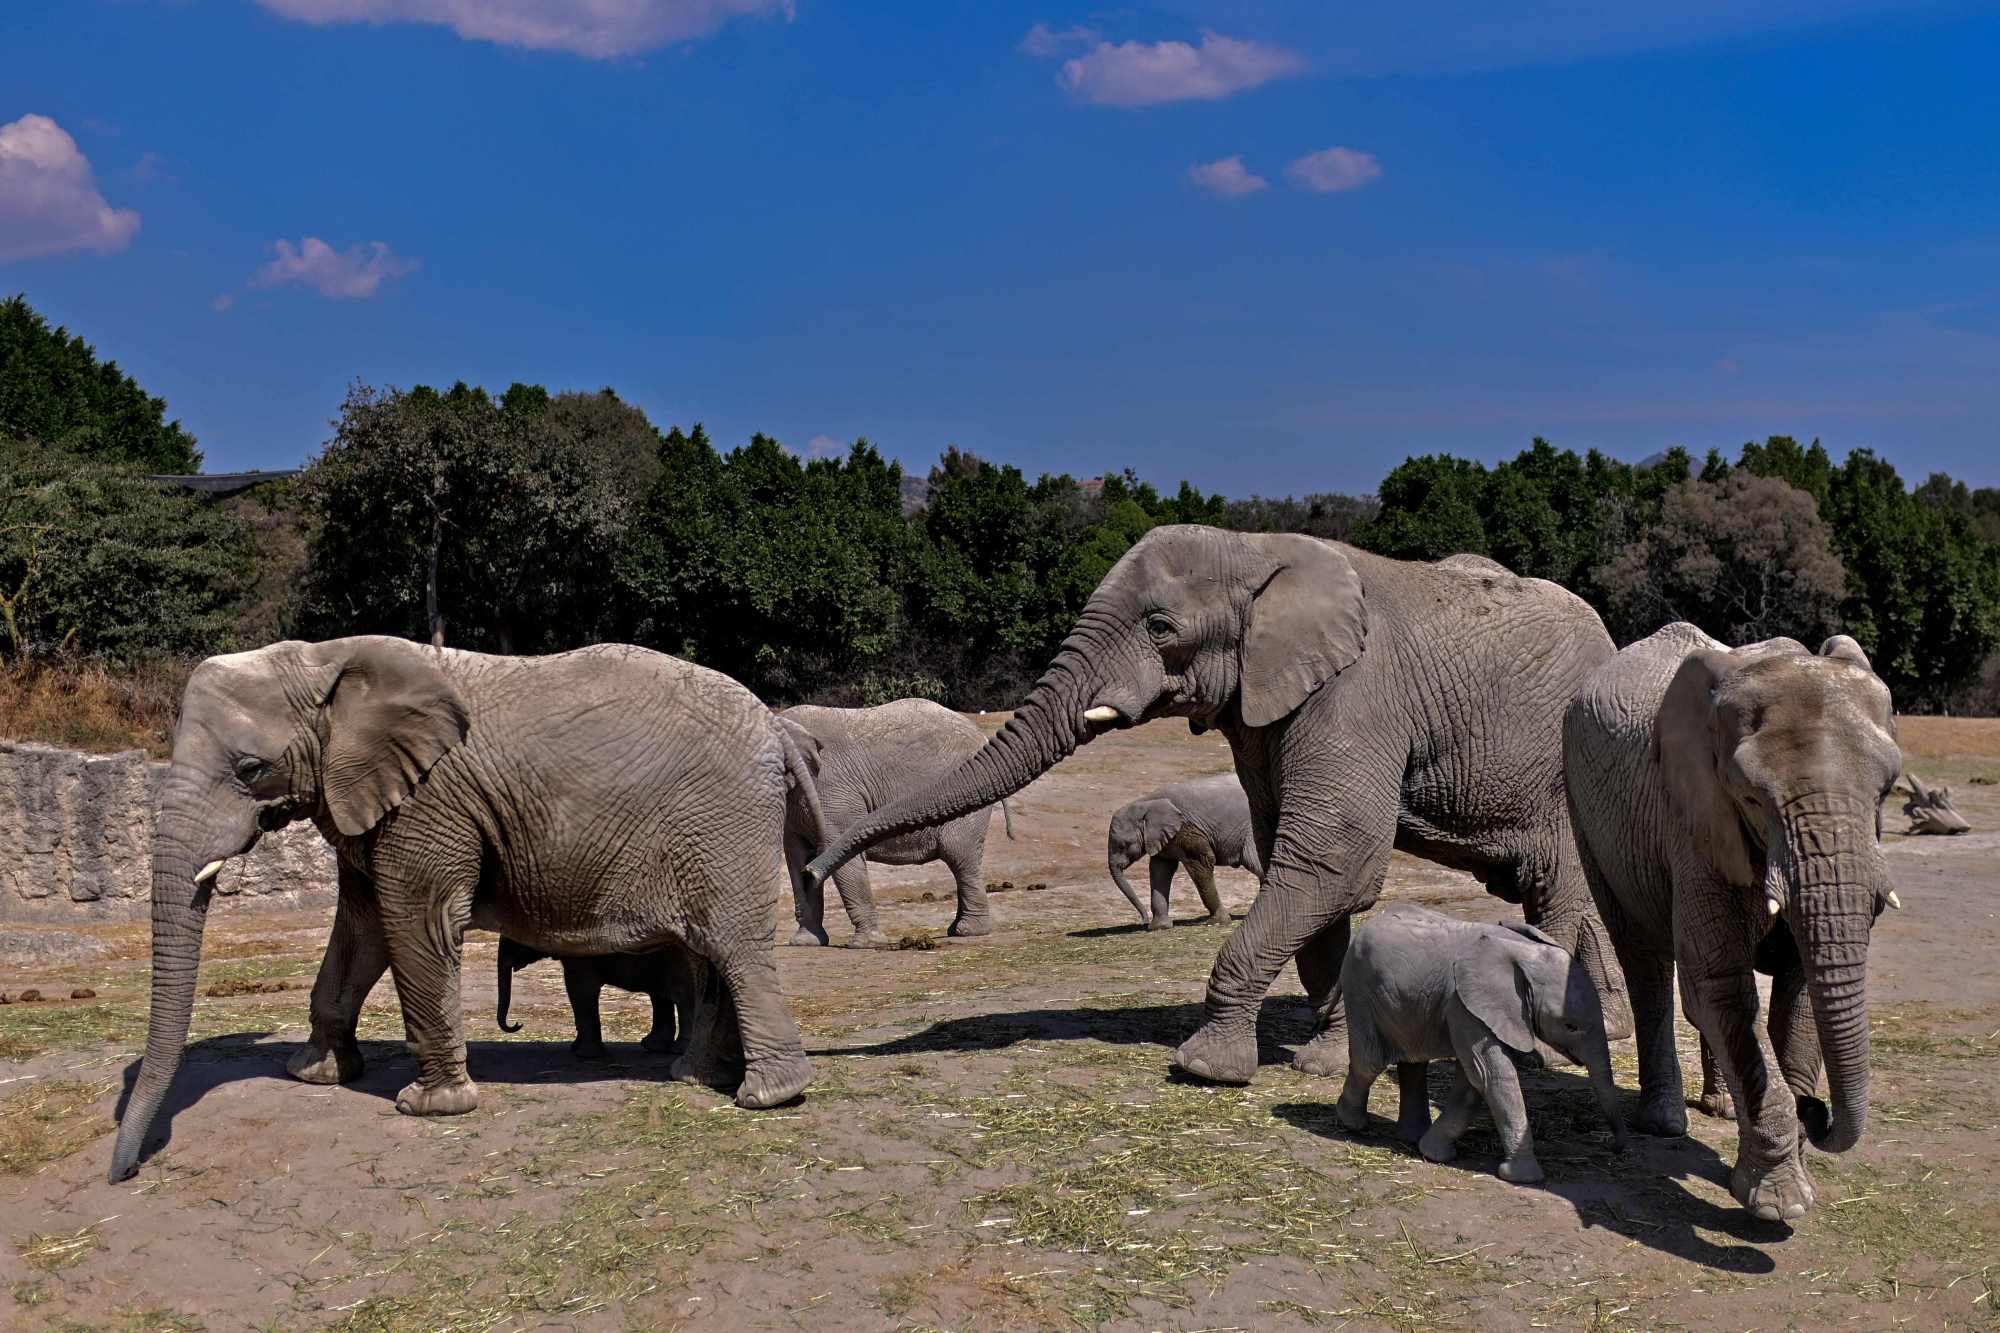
1200	824
863	759
608	800
1728	803
1370	703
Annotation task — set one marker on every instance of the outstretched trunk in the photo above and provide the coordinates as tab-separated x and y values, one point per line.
180	908
1831	882
1116	861
1606	1090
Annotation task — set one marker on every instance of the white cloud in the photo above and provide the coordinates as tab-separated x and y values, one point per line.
1045	43
1138	74
1333	169
825	446
599	29
1227	177
49	201
351	274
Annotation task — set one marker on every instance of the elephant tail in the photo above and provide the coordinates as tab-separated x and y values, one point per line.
1007	817
799	777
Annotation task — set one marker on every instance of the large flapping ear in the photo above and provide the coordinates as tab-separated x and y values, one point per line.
1686	741
1493	987
388	716
1847	650
1527	931
1159	821
808	744
1307	624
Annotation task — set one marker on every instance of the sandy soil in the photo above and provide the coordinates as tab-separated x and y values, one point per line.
992	1140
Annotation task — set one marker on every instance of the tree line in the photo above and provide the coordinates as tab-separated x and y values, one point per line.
528	521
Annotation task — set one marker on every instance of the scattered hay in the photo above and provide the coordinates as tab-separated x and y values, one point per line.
52	1254
47	1121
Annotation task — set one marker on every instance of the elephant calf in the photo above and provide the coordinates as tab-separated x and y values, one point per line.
664	976
1421	986
1201	824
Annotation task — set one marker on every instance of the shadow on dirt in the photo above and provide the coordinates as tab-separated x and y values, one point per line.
1283	1019
1135	928
1636	1194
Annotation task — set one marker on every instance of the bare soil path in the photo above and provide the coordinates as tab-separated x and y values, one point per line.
992	1141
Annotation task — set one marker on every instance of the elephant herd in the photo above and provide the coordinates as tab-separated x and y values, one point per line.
1680	809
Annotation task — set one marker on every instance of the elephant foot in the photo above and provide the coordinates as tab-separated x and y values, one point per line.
447	1099
659	1044
871	938
1216	1057
808	938
1665	1117
584	1049
1323	1057
971	926
774	1081
1160	922
1437	1148
1521	1169
1717	1104
312	1063
1353	1117
1215	919
709	1073
1413	1132
1780	1193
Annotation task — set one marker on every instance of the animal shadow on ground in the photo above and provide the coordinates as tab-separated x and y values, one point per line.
1637	1194
1283	1019
1135	928
215	1062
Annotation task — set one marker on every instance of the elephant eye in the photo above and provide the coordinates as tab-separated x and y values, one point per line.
249	768
1161	627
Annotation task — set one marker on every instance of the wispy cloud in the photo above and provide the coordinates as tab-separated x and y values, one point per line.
1333	169
49	201
1046	43
1147	74
825	446
353	274
1227	177
598	29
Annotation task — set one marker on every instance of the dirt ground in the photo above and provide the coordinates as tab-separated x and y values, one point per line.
992	1140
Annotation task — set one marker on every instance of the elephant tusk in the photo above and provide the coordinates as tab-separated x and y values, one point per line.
208	872
1773	906
1101	713
1894	901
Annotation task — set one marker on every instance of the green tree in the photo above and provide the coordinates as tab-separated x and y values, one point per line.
54	391
1430	508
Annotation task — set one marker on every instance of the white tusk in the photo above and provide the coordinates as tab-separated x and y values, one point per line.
1773	906
208	872
1894	901
1101	713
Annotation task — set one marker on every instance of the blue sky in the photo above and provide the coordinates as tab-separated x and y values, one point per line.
1268	247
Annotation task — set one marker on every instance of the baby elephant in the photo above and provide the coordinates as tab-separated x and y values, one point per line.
663	975
1200	824
1422	986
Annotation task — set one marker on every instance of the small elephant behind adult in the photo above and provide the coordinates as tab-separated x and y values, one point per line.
862	759
663	976
1421	986
1200	824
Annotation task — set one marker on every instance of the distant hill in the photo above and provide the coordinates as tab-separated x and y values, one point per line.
916	492
1654	460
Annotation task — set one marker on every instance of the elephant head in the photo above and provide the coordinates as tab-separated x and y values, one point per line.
1775	762
1140	829
340	732
1525	990
1194	622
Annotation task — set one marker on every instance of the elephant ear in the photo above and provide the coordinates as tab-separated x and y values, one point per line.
1847	650
388	715
1159	821
1527	931
1493	986
1307	625
1686	741
809	745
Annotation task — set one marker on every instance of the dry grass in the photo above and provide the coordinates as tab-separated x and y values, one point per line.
84	706
47	1121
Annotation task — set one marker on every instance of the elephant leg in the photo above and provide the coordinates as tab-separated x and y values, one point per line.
808	896
660	1040
1440	1141
1715	1100
1413	1106
1352	1108
1319	972
1795	1037
424	924
585	988
775	1065
1492	1072
1203	875
855	895
1162	870
1662	1100
967	865
711	1051
1767	1180
356	957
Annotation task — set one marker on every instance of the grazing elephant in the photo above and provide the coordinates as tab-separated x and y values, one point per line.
1370	703
1728	804
1422	986
663	976
608	800
1200	824
863	759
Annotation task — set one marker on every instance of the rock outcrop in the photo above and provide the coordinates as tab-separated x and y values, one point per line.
76	834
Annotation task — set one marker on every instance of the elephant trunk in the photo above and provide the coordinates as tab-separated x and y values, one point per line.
180	909
506	986
1831	887
1117	862
1599	1066
1046	728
